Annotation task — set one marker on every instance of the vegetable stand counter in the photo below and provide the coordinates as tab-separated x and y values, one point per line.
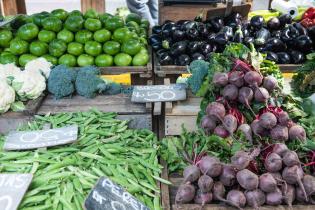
138	114
11	120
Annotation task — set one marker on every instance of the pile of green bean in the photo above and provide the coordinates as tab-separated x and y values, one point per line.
64	175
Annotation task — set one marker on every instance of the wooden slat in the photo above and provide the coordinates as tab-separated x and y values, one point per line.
168	105
98	5
12	120
157	110
21	7
189	107
116	103
10	7
165	195
85	5
173	124
32	106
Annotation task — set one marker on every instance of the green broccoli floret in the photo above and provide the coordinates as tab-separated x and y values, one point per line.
61	81
199	70
113	89
89	83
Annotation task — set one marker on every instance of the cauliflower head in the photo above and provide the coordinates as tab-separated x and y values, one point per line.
29	86
9	71
7	96
40	65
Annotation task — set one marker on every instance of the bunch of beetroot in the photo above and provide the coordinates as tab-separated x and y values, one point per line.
283	181
244	85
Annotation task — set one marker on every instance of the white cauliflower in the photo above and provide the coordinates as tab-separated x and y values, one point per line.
7	96
29	85
40	65
9	70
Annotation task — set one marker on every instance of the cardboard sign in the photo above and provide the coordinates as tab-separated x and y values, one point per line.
12	189
24	140
106	195
159	93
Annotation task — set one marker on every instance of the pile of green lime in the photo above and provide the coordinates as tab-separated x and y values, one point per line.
76	39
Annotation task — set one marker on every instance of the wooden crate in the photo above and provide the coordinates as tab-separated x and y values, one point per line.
12	120
138	114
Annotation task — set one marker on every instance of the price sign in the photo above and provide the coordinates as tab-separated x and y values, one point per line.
24	140
106	195
159	93
12	189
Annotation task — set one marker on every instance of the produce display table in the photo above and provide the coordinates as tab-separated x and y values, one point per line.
138	114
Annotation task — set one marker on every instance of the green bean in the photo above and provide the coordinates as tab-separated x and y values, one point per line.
33	199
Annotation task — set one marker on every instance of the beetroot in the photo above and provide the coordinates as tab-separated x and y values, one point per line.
290	158
218	191
230	92
216	111
261	95
240	160
191	173
255	198
283	118
236	78
267	120
267	183
247	131
230	123
205	183
253	78
203	198
210	166
247	179
237	197
208	124
280	148
273	162
288	193
274	198
276	175
245	96
221	131
293	175
279	133
228	176
257	129
185	193
297	132
299	195
309	185
270	83
220	79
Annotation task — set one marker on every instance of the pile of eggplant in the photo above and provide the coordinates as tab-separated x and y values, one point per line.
179	43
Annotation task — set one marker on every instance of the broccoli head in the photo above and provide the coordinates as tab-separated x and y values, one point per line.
199	70
113	89
88	82
61	81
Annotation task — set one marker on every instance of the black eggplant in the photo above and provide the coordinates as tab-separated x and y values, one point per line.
303	43
275	45
157	46
211	38
311	33
188	25
192	34
166	59
297	57
300	28
261	36
161	51
205	48
155	41
285	19
203	30
233	22
276	34
182	60
217	24
156	29
197	56
283	58
228	31
245	29
257	22
178	35
261	49
273	24
167	29
193	47
248	40
181	22
272	57
289	33
178	48
238	35
221	39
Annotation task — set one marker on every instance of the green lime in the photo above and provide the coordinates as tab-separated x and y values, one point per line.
104	60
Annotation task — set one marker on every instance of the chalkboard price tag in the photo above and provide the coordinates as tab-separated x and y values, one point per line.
106	195
24	140
12	189
158	93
